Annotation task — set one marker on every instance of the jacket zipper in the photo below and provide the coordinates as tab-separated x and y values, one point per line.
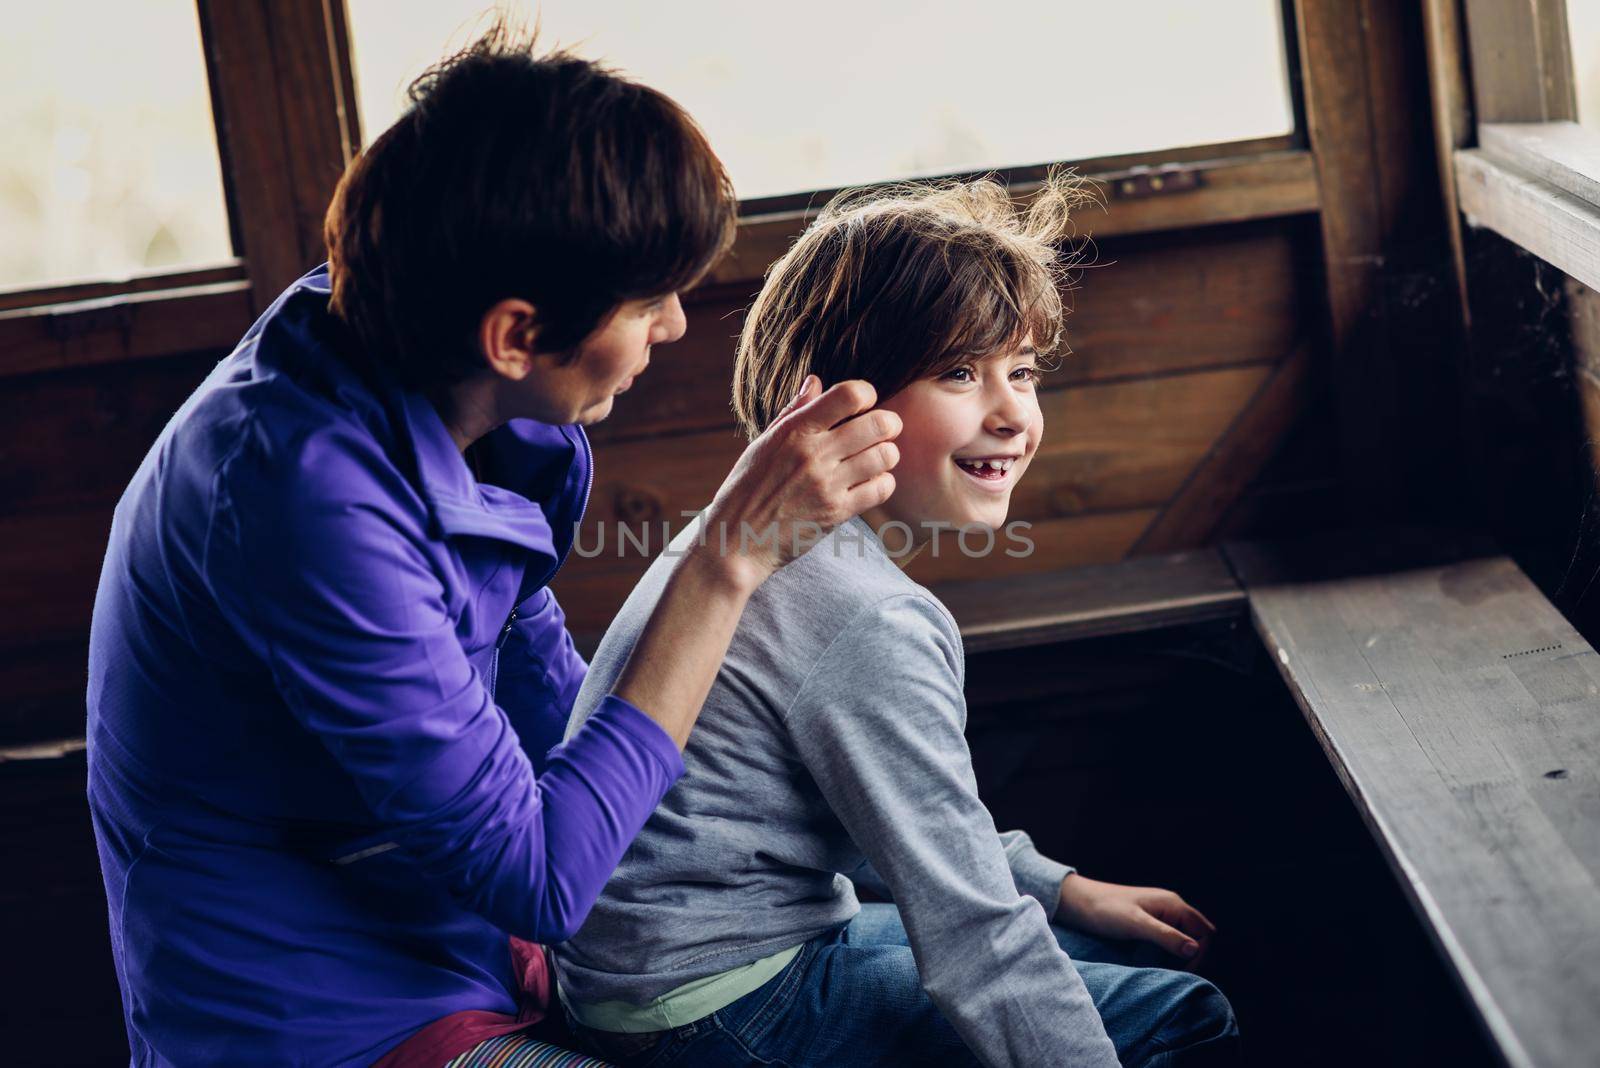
588	487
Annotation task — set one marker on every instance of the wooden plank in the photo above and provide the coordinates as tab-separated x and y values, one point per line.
282	129
134	326
1270	185
1130	444
1559	228
1339	118
1139	594
74	439
1065	541
1450	92
150	281
1521	60
1235	459
1178	302
57	749
44	684
52	566
1563	154
1462	713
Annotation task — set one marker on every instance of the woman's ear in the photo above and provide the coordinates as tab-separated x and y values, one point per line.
508	335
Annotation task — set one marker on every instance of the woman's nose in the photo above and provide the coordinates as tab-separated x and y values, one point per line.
672	323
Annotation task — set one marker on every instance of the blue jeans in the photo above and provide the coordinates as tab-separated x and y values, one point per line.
853	998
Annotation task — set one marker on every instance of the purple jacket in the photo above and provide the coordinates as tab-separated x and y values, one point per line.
325	678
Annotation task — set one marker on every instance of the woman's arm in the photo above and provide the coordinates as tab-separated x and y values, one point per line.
819	464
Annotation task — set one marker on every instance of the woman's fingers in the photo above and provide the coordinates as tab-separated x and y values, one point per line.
869	464
819	463
861	433
838	403
808	390
870	493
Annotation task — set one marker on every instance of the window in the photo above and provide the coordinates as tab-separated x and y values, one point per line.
1583	29
111	167
846	93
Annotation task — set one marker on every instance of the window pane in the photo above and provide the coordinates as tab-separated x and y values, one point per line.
111	164
841	92
1583	25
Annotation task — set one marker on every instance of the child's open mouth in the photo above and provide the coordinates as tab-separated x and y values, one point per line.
987	468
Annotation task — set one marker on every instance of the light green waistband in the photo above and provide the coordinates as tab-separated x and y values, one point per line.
681	1005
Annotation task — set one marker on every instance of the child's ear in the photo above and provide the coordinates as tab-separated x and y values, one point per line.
508	336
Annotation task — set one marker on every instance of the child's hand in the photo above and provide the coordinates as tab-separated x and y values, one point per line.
1144	912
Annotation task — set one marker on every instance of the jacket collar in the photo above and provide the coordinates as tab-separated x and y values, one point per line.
539	474
459	504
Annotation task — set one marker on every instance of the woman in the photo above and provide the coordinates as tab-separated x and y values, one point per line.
326	673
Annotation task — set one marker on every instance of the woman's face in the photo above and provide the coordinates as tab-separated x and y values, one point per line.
609	360
968	436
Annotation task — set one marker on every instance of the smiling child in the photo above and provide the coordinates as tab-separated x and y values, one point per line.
831	752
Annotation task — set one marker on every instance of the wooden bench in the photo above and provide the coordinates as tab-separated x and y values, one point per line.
1145	593
1462	713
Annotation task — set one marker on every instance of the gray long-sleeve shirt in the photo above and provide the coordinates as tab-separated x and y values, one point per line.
832	743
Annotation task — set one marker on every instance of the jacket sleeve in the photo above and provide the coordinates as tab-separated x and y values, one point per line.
318	559
879	724
539	674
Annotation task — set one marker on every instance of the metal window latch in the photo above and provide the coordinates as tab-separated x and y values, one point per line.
1145	181
74	320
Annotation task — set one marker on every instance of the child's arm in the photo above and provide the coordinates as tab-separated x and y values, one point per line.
879	725
1035	874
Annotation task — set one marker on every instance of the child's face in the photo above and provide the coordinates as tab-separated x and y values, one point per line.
984	410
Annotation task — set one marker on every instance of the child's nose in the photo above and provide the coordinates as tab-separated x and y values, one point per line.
1010	413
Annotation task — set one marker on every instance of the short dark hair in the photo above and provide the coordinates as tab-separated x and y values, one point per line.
898	283
548	178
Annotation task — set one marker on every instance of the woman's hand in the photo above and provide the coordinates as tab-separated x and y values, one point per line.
1144	912
821	462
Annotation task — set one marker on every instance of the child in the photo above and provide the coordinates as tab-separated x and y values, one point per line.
831	745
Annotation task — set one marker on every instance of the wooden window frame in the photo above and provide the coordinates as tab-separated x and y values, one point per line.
283	96
1522	165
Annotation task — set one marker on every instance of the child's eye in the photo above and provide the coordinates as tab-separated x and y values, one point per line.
951	374
1027	374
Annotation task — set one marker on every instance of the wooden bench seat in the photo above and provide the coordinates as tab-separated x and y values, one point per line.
1462	713
1144	593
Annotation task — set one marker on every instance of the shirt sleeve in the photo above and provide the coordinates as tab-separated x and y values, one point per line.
322	571
1034	873
539	674
879	724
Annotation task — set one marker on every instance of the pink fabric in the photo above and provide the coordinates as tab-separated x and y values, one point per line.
450	1036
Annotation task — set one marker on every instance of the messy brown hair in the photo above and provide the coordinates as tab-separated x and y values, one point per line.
904	282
